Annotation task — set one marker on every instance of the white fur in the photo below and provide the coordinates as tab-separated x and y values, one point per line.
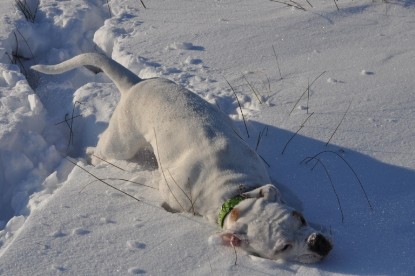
202	159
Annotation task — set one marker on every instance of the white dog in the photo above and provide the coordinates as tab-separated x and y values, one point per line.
207	169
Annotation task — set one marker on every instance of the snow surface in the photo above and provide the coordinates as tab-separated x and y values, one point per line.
57	219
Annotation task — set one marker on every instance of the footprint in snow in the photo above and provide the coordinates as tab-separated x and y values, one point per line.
185	46
138	225
135	245
58	268
80	231
136	270
58	234
106	221
366	73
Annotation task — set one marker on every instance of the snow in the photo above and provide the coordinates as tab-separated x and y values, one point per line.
57	219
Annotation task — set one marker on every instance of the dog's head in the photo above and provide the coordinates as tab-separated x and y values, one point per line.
265	227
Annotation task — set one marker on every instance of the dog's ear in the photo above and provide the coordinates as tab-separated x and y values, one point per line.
268	192
230	239
234	215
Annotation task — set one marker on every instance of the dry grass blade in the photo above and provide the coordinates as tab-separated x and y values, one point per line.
298	5
181	189
28	13
335	3
269	166
261	134
162	171
66	121
27	44
109	8
18	58
130	181
70	125
120	179
308	95
295	134
308	89
294	5
102	159
100	180
318	161
239	104
252	89
147	203
341	121
236	253
276	59
350	167
308	2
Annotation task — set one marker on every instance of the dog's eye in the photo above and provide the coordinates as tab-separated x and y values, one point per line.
284	248
300	218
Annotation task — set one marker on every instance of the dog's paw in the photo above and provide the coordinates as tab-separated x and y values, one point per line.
91	157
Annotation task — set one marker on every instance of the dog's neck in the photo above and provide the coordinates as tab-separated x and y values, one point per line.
227	207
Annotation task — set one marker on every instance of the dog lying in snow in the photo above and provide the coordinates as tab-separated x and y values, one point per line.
207	169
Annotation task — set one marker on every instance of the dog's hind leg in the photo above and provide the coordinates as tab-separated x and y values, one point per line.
117	142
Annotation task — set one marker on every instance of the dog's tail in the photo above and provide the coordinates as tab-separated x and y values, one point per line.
123	78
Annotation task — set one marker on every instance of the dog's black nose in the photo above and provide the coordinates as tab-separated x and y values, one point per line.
319	244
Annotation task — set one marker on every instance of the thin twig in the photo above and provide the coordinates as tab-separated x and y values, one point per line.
344	115
292	137
308	88
142	3
240	108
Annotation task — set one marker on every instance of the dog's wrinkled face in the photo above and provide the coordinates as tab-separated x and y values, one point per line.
274	231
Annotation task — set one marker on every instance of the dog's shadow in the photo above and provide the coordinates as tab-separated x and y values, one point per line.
377	199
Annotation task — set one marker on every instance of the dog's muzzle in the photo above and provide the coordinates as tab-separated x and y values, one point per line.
319	244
